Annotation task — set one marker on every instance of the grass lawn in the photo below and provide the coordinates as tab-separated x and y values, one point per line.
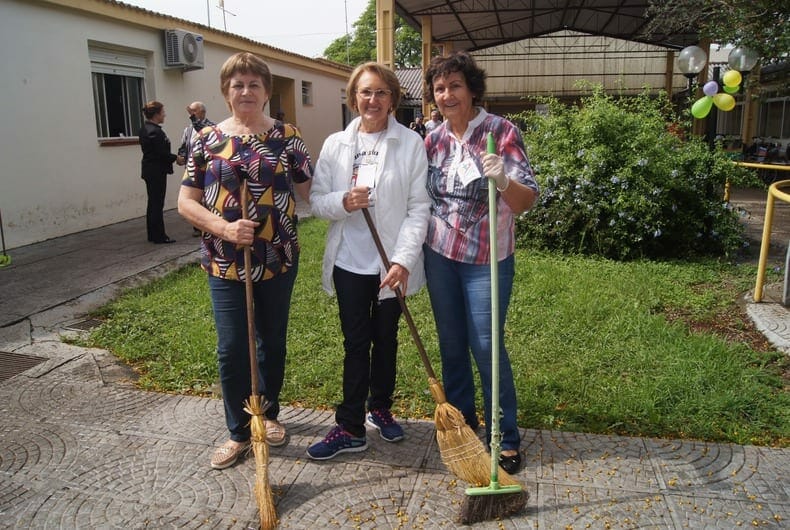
644	348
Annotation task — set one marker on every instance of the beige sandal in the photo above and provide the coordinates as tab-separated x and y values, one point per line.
275	433
227	454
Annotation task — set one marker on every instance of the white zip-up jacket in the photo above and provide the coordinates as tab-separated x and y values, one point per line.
402	202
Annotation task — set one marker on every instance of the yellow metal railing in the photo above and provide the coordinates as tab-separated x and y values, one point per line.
773	193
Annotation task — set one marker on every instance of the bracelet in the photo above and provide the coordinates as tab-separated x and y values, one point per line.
507	185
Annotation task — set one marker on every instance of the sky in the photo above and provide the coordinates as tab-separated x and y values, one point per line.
305	27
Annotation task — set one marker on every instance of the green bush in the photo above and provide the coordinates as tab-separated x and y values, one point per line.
617	182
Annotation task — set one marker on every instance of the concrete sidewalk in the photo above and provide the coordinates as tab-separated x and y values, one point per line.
82	448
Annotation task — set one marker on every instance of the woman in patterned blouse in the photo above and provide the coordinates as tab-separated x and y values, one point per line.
457	246
272	157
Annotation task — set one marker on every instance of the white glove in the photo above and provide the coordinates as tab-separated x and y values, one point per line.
494	168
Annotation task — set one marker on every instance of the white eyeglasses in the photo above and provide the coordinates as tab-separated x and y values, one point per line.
378	94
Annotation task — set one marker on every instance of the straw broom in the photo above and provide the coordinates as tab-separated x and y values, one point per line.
497	499
254	405
462	451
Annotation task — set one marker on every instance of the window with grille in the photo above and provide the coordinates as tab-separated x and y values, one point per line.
307	93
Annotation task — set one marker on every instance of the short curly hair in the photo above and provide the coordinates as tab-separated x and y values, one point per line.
456	62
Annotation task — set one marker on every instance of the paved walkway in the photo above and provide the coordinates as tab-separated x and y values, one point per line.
80	447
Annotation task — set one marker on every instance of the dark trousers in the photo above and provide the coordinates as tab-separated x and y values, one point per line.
370	340
155	186
272	303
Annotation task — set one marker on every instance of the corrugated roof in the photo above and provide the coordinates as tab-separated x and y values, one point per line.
478	24
411	83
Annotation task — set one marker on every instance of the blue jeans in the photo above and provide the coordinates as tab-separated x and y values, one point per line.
461	300
370	341
272	302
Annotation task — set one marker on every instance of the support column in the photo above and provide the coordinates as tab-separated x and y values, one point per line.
427	46
385	33
751	107
699	126
669	74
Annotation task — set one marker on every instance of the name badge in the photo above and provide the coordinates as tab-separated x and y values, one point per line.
366	175
467	171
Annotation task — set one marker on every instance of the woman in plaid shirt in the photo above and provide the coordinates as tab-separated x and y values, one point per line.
457	249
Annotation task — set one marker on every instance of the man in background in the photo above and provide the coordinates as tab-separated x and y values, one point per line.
434	122
418	126
198	120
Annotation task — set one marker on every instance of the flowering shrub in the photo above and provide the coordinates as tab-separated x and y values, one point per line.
618	181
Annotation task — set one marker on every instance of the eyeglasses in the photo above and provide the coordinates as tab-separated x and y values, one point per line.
367	93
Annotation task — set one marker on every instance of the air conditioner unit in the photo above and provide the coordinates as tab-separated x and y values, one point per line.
183	49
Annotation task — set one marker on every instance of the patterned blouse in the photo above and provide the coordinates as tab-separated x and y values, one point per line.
270	162
458	227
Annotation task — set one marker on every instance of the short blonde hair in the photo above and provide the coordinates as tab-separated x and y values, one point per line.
386	74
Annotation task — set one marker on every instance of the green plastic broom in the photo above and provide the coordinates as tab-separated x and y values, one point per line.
495	500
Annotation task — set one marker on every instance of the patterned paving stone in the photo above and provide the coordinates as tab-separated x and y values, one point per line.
717	513
617	463
725	471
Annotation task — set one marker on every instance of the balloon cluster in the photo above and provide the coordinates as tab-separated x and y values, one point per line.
723	100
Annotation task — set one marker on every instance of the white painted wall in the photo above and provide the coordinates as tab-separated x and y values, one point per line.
55	177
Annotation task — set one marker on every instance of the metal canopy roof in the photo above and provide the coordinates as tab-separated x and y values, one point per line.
475	24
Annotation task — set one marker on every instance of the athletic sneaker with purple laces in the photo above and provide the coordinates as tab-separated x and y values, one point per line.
388	428
337	441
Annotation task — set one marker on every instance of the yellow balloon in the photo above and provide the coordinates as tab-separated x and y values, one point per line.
724	102
702	106
732	78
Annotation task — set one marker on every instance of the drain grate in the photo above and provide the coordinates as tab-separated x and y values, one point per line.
84	325
12	364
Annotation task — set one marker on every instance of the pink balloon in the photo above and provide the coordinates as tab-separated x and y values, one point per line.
710	88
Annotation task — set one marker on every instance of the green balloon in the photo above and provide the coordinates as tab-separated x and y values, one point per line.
701	107
732	89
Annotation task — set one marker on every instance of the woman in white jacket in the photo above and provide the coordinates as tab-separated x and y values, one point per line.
378	164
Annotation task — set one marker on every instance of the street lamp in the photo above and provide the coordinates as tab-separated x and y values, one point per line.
691	61
742	59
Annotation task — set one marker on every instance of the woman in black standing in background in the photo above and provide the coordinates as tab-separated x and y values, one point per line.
156	165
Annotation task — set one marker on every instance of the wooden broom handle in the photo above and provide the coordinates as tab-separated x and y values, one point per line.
399	295
248	292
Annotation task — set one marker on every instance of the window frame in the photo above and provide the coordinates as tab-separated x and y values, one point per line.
122	72
307	93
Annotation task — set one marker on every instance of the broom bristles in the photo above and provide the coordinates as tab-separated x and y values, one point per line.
462	451
263	491
477	508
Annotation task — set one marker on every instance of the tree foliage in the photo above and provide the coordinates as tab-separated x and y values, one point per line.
360	46
762	25
618	181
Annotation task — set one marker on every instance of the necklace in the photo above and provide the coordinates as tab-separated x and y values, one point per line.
370	151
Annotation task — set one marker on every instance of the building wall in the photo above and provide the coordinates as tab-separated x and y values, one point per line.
56	176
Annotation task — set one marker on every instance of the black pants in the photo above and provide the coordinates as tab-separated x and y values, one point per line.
368	373
155	186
